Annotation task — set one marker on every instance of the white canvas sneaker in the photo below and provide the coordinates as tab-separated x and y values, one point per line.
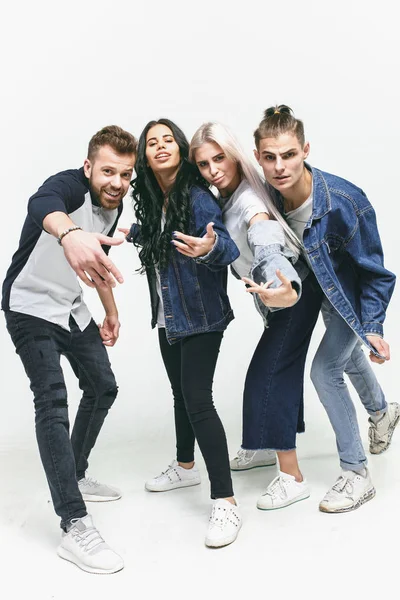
350	491
249	459
224	525
283	491
84	546
380	432
94	491
174	477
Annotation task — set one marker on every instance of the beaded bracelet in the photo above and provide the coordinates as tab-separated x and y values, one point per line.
66	232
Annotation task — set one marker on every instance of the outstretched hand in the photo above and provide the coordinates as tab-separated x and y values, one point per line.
381	347
283	296
87	258
195	246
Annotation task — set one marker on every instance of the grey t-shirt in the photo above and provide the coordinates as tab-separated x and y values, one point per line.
298	218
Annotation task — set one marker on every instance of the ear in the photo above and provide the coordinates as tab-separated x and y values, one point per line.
257	156
87	167
306	149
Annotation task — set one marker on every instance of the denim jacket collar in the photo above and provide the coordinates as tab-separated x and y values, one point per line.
321	196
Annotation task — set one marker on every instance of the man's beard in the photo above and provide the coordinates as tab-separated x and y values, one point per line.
105	203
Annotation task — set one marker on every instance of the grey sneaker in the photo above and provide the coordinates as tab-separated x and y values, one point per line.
351	490
84	546
249	459
94	491
380	432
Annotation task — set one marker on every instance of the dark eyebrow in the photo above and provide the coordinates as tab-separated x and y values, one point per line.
282	153
164	136
213	157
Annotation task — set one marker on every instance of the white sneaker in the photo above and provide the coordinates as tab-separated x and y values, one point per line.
84	546
283	491
380	432
248	459
350	491
224	525
93	491
174	477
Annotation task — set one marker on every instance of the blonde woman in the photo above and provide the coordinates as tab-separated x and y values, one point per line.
269	264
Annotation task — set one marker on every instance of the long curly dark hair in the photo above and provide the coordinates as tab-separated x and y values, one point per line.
148	200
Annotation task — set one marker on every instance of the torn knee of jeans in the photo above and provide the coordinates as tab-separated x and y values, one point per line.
60	401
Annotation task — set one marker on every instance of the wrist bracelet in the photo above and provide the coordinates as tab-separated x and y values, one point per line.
66	232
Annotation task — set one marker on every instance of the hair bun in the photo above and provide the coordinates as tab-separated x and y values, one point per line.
282	109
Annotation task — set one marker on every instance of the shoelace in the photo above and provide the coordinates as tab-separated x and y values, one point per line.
245	455
215	519
167	470
91	482
275	486
88	539
343	483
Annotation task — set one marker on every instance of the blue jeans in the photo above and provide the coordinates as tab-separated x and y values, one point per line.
40	345
339	352
273	393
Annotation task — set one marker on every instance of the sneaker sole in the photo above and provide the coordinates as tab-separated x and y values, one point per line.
365	498
256	466
390	435
224	542
93	498
66	555
299	499
183	484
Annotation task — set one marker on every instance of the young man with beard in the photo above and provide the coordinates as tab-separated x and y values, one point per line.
71	215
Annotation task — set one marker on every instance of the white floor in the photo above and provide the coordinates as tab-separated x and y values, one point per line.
289	553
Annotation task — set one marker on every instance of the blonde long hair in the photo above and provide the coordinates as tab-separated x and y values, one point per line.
219	134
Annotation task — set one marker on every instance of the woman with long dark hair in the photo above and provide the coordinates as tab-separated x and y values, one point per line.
190	306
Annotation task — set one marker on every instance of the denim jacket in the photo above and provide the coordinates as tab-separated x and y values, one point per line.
194	290
343	246
267	243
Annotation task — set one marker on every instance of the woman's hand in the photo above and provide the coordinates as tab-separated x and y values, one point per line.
124	230
283	296
381	347
195	246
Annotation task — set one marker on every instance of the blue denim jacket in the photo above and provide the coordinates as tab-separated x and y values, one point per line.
344	249
267	243
194	290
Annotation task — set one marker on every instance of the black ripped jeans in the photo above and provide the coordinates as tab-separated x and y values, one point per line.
190	365
40	345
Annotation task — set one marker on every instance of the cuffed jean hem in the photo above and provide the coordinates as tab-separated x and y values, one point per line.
378	413
79	515
351	467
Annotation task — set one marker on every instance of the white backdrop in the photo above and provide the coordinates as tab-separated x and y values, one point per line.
69	70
